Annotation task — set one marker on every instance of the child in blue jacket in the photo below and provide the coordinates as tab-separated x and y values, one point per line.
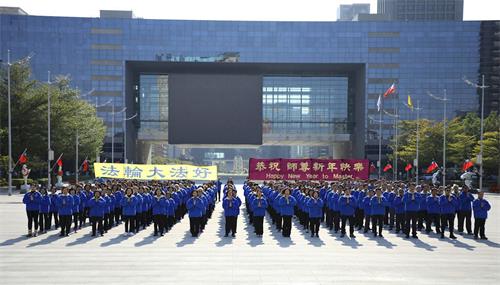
32	200
481	208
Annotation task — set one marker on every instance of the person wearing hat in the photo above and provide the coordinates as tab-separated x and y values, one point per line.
32	200
448	204
433	211
465	200
65	205
481	208
347	206
259	205
129	210
287	204
377	209
44	216
96	212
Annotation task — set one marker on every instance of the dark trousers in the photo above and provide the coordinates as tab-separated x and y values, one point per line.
329	218
76	218
314	222
56	219
194	225
118	215
82	217
258	222
336	221
170	222
358	217
44	220
447	220
287	226
65	222
392	218
129	223
306	221
279	221
479	227
377	220
97	225
411	221
386	216
422	216
433	218
139	221
367	222
159	223
106	222
32	219
344	220
400	222
231	224
465	216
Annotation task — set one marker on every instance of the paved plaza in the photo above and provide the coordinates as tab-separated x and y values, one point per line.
177	258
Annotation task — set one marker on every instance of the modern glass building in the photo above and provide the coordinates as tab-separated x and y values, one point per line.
320	80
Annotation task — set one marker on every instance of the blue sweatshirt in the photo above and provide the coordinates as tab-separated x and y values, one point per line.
195	207
333	201
481	208
76	203
96	207
32	200
378	208
411	204
315	208
53	202
448	207
433	206
231	207
287	208
398	205
259	211
347	209
45	204
366	206
159	205
65	205
129	205
465	201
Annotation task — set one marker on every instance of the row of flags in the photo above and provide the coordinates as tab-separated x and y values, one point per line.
389	91
23	159
433	166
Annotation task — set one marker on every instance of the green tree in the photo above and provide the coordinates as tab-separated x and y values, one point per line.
29	105
491	153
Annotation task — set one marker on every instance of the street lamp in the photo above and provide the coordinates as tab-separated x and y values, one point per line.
443	99
113	131
416	162
125	136
395	116
77	166
482	86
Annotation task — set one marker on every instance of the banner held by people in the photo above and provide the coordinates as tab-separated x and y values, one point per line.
155	172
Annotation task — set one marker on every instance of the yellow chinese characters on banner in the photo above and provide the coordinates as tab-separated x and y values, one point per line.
155	172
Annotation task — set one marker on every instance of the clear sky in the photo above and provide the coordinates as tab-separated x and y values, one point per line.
279	10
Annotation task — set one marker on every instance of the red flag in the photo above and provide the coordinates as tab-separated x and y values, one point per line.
85	166
432	167
387	167
468	164
391	90
23	158
408	167
59	162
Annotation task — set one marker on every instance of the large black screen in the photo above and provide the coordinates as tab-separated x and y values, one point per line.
215	109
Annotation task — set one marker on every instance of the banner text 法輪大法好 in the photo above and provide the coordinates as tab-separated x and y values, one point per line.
155	172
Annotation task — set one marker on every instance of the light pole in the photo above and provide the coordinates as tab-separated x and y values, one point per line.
125	136
113	131
443	99
98	106
50	153
395	116
482	86
77	167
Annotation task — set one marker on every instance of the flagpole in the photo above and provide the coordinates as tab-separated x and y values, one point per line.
396	135
380	141
76	159
9	115
49	151
444	141
418	139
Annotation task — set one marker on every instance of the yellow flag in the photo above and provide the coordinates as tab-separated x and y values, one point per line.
410	103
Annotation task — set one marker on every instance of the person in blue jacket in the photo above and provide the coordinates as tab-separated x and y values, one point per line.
96	212
195	211
32	200
315	208
65	204
378	206
333	202
367	210
399	210
128	206
347	206
231	207
433	212
83	201
76	207
44	217
53	207
172	206
287	204
448	204
159	211
118	193
139	217
259	205
481	208
411	200
465	210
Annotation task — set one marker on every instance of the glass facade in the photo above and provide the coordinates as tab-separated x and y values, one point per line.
153	110
418	56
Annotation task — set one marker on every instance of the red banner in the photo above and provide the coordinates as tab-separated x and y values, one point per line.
308	169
